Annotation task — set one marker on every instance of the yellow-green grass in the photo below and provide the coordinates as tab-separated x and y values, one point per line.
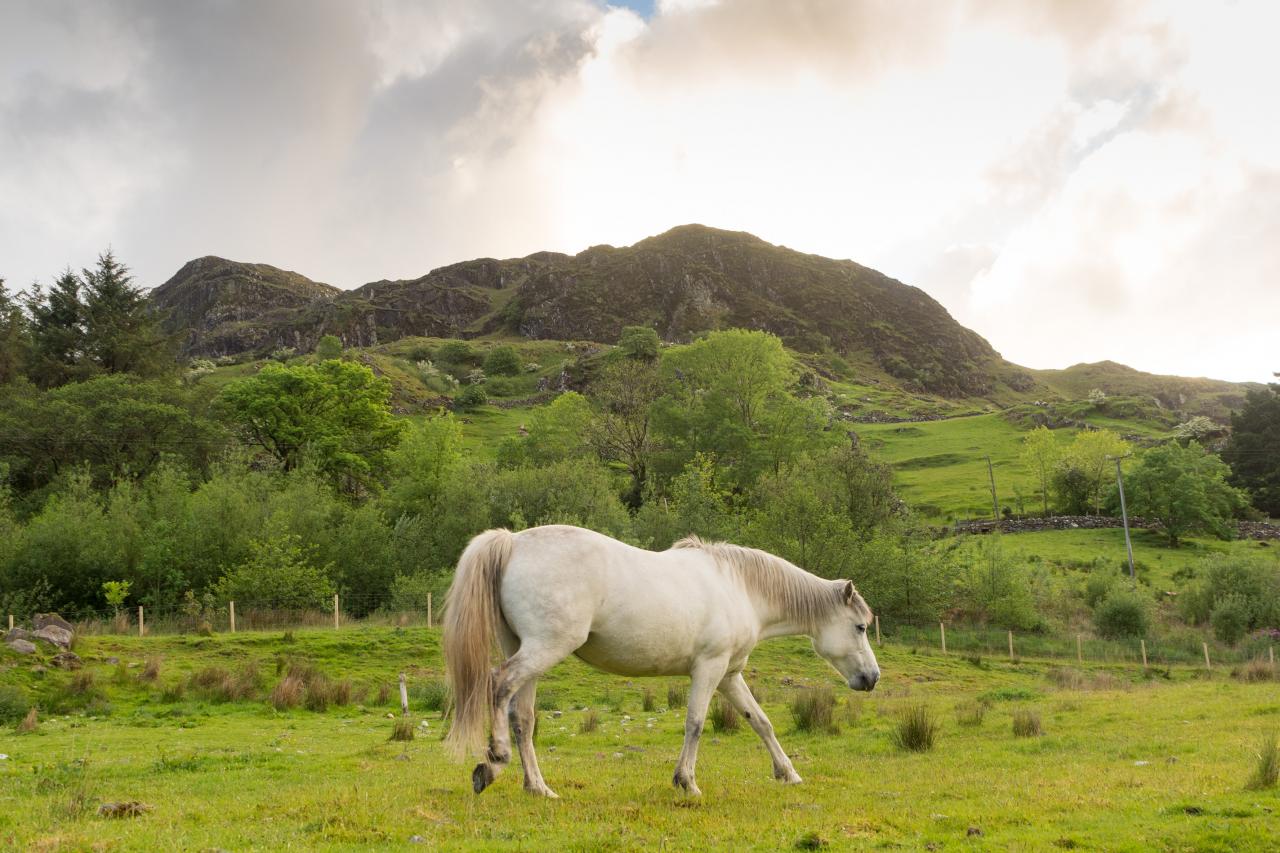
1136	766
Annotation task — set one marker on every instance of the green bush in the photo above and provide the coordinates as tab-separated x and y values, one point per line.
456	353
1123	614
278	574
1230	618
502	361
13	704
639	342
470	397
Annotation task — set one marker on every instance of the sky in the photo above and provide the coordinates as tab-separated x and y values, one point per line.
1076	180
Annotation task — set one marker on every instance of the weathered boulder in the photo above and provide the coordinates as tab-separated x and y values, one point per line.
40	620
67	660
54	636
17	634
22	647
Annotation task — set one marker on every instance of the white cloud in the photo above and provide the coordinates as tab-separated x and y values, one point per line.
1075	179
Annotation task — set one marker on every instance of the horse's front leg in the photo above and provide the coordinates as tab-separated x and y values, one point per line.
703	680
735	689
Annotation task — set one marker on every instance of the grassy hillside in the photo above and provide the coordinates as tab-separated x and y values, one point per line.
1123	763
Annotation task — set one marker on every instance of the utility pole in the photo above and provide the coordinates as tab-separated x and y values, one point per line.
995	504
1124	515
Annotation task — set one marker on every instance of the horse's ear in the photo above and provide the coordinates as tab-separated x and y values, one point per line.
849	592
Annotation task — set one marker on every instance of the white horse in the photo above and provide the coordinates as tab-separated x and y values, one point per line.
697	609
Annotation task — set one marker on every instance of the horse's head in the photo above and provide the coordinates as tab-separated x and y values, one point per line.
842	640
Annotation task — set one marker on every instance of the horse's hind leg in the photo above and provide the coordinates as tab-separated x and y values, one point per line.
523	718
739	695
526	665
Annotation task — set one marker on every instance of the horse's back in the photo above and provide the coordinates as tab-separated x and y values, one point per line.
624	609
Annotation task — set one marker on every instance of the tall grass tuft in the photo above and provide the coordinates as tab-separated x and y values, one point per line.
813	710
288	693
724	717
433	695
151	669
677	694
1267	771
402	730
917	729
647	700
1026	723
970	713
589	723
219	685
28	723
13	704
1256	670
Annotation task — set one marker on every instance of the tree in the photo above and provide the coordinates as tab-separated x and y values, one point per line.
639	342
336	414
1253	451
122	331
57	332
1083	467
13	338
280	573
1040	453
328	348
502	361
623	430
559	431
728	395
1185	489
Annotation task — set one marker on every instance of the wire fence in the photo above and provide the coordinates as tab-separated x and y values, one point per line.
975	642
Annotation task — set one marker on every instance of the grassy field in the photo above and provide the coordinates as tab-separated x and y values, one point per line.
1123	763
940	467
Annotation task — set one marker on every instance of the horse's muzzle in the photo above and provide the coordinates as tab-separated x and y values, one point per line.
864	681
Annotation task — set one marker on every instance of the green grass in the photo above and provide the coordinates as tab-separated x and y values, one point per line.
1137	766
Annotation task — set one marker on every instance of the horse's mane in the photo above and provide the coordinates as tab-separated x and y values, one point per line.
805	597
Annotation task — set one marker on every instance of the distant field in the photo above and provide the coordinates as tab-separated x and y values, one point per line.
940	467
1123	763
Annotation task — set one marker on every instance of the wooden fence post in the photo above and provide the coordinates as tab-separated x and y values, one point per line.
429	610
1144	653
231	606
877	630
942	631
404	697
1271	651
1079	652
1207	665
142	625
10	621
1010	645
335	611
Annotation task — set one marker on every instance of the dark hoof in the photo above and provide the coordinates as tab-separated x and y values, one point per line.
481	777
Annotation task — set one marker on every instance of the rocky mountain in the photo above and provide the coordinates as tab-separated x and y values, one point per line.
1214	398
685	281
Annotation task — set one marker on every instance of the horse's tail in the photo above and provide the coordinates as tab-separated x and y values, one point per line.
471	619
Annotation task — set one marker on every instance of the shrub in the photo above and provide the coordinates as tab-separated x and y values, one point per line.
917	729
1122	614
589	723
502	361
470	397
456	353
677	694
724	717
1267	771
639	342
1026	723
1230	618
814	710
970	713
13	704
280	572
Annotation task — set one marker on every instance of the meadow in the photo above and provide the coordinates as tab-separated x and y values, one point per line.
1124	760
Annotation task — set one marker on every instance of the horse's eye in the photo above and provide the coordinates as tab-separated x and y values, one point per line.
862	629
